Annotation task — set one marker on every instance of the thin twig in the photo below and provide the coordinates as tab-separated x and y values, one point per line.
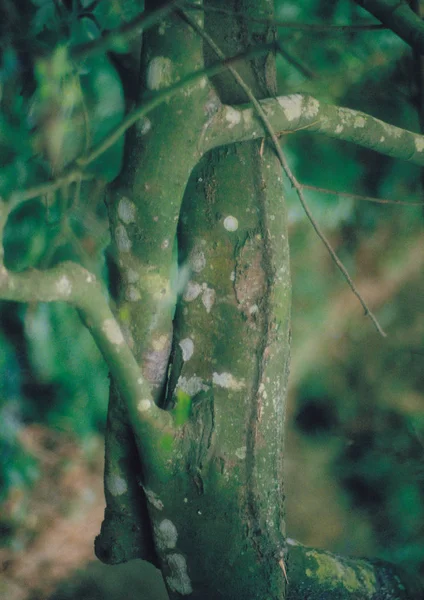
315	188
144	21
50	186
313	27
286	168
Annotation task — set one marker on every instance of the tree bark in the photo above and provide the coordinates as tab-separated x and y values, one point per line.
202	250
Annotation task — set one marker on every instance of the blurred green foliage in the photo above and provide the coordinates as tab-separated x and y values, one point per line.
346	382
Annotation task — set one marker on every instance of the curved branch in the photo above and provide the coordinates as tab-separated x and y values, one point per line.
317	574
398	16
290	113
71	283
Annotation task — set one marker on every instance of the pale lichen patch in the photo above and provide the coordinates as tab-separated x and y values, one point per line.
228	381
192	291
291	105
231	223
241	452
123	242
166	535
178	581
116	485
153	498
312	108
192	385
143	125
132	294
359	122
159	73
208	298
126	210
232	116
197	259
339	128
64	286
419	144
144	405
187	347
113	332
132	276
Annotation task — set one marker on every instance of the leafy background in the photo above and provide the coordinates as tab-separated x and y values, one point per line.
355	478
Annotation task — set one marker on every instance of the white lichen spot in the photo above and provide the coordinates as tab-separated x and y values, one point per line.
230	223
419	144
208	298
291	105
160	343
113	332
248	117
140	381
159	73
166	535
192	385
132	276
192	291
241	452
253	309
339	128
165	244
382	138
359	122
64	286
132	294
116	485
203	83
178	581
144	125
232	116
123	242
312	108
144	405
232	276
197	260
153	499
90	278
187	347
228	381
126	210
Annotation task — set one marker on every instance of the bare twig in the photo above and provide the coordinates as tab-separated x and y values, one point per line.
287	169
315	188
311	27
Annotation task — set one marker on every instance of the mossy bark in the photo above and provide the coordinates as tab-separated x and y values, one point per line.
202	251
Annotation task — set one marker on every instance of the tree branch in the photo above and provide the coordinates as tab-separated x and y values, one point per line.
328	28
288	114
398	16
321	190
317	574
71	283
269	129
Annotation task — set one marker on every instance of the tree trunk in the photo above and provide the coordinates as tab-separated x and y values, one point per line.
205	308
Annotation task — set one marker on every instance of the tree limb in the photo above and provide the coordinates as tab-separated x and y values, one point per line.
269	130
288	114
398	16
71	283
317	574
